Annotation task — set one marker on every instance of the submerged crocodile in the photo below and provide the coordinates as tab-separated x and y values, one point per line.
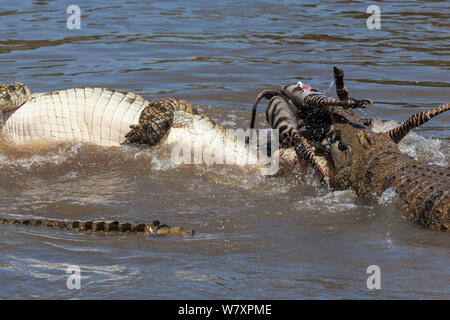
154	228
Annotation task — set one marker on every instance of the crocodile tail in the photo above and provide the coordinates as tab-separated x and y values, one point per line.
397	134
153	228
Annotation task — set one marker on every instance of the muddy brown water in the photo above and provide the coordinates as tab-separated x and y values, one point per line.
257	237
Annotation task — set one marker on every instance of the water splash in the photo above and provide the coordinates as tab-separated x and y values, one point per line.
421	148
387	197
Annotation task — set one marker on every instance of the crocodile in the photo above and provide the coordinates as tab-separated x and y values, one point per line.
95	115
371	163
154	228
113	118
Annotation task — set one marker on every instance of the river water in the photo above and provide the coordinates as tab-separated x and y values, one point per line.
258	237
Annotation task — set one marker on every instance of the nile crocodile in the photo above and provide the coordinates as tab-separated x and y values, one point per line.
95	115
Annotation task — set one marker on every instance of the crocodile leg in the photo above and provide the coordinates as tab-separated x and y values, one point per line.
13	95
154	123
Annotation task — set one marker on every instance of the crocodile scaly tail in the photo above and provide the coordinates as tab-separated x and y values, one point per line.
153	228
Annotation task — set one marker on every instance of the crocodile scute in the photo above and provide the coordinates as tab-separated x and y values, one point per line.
155	228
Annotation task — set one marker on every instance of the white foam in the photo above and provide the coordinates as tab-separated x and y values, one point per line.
228	123
337	201
56	158
387	197
421	148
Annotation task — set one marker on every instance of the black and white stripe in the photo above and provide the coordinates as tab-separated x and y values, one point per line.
282	116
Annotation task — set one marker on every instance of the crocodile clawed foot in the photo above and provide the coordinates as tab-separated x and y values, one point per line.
134	136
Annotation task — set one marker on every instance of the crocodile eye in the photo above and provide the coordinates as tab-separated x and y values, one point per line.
341	146
12	88
335	137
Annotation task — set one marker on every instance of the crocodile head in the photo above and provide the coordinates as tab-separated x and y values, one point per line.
350	145
12	96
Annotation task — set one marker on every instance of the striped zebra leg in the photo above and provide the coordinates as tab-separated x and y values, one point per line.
341	89
305	151
324	102
280	115
414	121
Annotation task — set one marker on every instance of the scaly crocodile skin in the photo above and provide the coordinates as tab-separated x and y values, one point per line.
370	163
154	123
13	95
154	228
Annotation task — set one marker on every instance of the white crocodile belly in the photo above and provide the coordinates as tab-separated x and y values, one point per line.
94	115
